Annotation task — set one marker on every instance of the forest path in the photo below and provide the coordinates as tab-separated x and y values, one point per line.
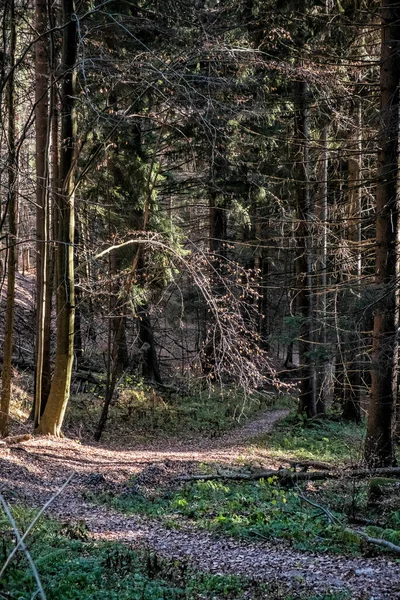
34	470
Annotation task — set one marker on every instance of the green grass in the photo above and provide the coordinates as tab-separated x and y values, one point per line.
73	568
324	440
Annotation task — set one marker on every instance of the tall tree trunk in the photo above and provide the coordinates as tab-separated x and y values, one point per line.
352	391
54	189
42	190
307	403
324	368
379	447
53	415
12	233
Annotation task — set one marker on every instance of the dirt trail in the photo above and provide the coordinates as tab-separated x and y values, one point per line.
35	469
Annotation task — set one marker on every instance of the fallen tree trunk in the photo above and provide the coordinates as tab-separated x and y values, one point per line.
310	464
288	476
377	541
284	476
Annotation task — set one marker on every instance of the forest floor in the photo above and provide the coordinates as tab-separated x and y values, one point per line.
32	471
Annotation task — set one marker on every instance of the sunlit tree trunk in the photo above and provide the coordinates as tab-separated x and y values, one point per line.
379	448
54	190
42	191
149	359
12	232
53	415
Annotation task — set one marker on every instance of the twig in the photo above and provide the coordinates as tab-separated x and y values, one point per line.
330	516
361	521
32	524
23	547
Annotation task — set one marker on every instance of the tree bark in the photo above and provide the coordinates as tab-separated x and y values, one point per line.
149	360
304	297
42	190
54	184
53	415
379	447
352	389
12	235
323	383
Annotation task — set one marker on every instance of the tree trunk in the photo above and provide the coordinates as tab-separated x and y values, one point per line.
324	369
54	159
352	391
379	447
216	224
12	248
42	190
304	298
149	360
53	415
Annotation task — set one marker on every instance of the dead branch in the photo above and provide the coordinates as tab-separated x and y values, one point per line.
331	518
314	464
377	541
362	521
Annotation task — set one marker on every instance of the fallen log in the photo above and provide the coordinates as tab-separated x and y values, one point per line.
313	464
376	541
288	476
284	476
